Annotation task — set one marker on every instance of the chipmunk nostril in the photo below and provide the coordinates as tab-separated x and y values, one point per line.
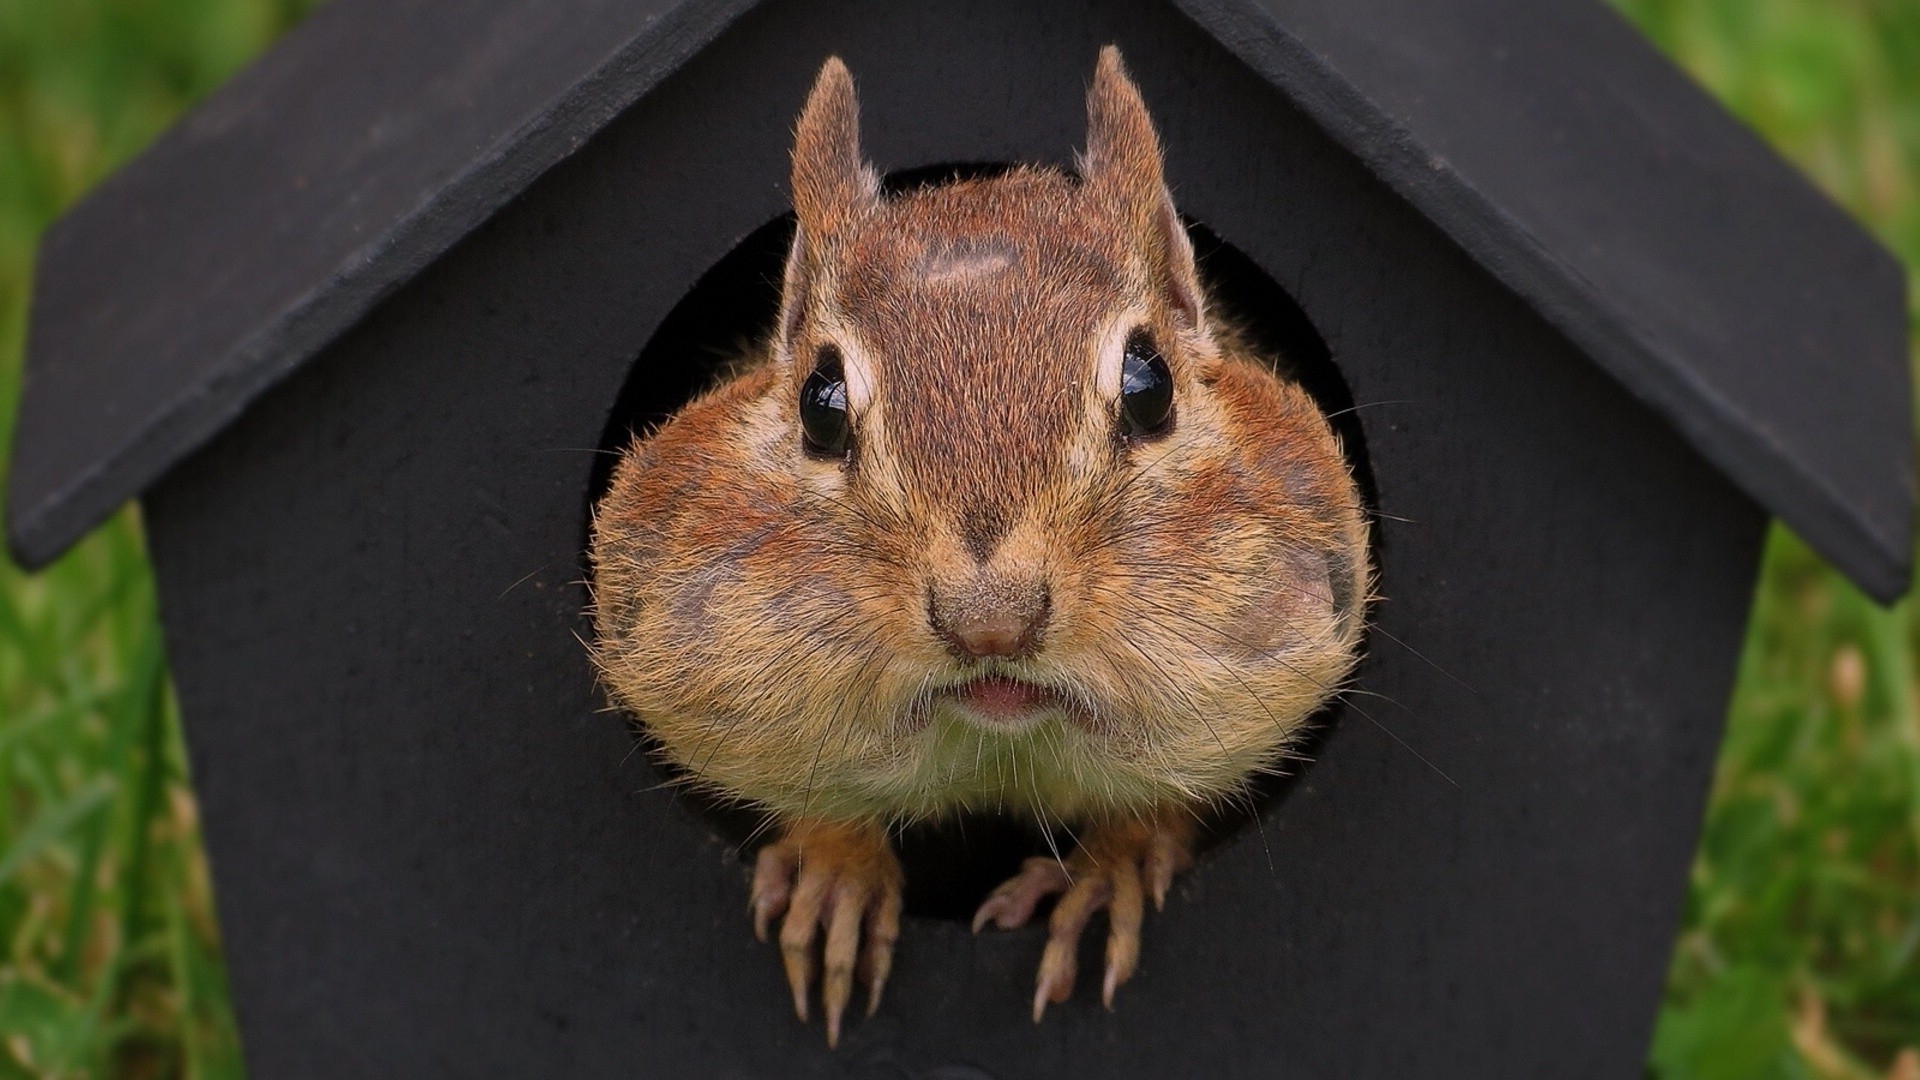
998	633
992	621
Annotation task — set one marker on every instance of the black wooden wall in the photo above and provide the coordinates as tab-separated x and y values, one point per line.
435	855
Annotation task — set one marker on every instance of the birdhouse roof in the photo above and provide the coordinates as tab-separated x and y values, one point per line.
1545	137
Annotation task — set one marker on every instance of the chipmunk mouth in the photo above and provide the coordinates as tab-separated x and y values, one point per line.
1004	703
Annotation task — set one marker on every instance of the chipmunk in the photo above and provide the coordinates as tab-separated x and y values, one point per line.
1005	517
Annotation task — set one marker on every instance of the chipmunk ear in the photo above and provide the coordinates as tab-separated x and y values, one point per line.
831	182
1122	168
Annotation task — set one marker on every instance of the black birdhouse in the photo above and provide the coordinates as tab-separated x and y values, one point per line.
355	331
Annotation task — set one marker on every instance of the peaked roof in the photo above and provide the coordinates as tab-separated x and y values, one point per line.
1544	136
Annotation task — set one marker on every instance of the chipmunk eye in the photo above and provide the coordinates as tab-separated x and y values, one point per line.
823	406
1146	387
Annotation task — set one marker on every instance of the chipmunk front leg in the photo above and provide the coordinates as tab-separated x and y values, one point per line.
1115	867
841	877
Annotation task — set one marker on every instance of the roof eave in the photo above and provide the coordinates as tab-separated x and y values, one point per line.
39	532
1876	555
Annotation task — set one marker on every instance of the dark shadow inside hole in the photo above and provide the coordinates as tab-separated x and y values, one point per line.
950	867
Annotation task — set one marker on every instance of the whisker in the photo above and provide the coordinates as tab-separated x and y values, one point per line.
530	575
1384	632
1404	745
1337	413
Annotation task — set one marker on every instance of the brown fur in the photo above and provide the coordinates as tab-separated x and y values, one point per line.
766	612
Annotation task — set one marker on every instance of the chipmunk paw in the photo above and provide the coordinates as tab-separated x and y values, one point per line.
845	880
1114	870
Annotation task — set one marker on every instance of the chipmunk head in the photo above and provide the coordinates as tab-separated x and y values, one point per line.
968	353
1006	518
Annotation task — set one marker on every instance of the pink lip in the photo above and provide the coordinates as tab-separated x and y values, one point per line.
1001	701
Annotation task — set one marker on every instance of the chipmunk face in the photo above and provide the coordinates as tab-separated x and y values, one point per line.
1005	519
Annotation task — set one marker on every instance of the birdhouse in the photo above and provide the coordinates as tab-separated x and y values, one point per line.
361	330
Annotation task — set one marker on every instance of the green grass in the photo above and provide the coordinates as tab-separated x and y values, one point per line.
1798	958
111	962
1803	916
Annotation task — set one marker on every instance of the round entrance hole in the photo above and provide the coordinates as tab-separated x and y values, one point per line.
731	311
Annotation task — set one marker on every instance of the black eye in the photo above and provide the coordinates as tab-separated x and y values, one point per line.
823	406
1146	387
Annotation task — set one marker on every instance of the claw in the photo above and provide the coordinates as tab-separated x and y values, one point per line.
1125	912
1058	964
1055	983
797	956
799	964
804	915
843	948
883	929
1169	853
1012	904
772	885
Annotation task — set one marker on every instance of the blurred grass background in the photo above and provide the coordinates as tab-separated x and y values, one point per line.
1798	956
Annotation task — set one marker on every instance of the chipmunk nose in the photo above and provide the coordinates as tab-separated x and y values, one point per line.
991	617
